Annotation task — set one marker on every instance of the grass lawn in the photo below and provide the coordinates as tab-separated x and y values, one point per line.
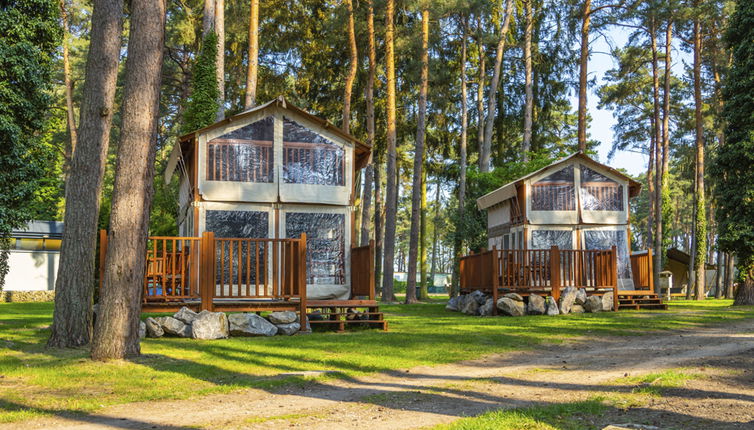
36	381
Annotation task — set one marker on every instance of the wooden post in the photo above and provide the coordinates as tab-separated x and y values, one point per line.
372	276
207	271
650	268
614	270
495	281
461	274
102	255
555	272
301	276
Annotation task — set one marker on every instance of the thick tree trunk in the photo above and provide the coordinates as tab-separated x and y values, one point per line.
353	67
457	245
481	75
116	334
370	173
719	274
220	59
391	192
486	154
528	88
208	18
416	189
423	293
583	72
730	278
72	320
250	99
701	214
70	111
745	293
435	236
658	251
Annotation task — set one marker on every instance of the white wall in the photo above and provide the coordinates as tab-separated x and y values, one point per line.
32	270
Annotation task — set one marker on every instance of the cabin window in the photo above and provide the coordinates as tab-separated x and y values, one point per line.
600	193
506	241
555	192
325	245
544	239
238	224
243	155
606	239
310	158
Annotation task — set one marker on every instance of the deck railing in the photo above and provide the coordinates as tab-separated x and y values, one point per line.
539	271
641	270
362	271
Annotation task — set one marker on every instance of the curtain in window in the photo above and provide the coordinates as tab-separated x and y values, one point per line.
243	155
310	158
555	192
600	193
325	245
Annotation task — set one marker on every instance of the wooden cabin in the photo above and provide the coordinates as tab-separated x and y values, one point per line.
575	209
266	218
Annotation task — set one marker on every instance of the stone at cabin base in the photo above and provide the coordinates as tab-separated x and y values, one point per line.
284	317
210	325
510	307
536	305
249	324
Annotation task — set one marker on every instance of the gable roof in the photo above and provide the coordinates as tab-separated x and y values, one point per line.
509	190
361	149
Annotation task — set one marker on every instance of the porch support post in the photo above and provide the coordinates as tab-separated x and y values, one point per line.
555	272
372	276
651	271
301	277
614	271
495	281
207	271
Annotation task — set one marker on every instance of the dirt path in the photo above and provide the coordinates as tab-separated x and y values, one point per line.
426	396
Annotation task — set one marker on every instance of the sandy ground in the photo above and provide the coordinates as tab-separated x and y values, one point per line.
426	396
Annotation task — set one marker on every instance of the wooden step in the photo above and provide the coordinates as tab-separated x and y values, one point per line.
340	323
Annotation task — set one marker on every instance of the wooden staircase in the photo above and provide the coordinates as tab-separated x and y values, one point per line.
340	315
640	300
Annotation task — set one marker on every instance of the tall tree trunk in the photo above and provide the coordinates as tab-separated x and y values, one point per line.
208	18
583	72
370	173
72	319
116	334
423	292
529	103
719	274
220	59
250	99
651	185
745	293
481	75
457	243
701	214
353	67
391	192
730	273
416	189
658	254
435	235
492	93
70	111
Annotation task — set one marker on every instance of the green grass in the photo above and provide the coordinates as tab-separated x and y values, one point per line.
655	383
36	381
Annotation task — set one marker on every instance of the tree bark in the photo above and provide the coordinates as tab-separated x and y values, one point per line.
371	174
492	93
458	244
391	192
416	188
353	67
719	275
701	214
250	99
730	273
745	293
528	88
481	75
658	254
116	334
583	72
435	235
208	18
651	186
70	111
220	59
72	319
423	292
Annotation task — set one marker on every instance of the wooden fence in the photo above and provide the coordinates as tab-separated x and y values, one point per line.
539	271
641	269
362	271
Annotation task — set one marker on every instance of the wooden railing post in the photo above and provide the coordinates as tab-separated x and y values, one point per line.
207	271
495	281
555	272
614	270
650	274
372	276
102	255
301	276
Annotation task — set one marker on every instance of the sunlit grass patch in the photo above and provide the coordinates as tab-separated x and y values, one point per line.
654	383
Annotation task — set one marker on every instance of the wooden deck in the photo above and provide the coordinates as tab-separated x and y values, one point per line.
249	275
548	271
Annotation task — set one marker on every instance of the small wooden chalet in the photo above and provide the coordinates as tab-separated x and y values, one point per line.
266	219
566	224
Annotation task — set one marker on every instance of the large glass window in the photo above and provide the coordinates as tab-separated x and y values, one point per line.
239	224
606	239
544	239
243	155
325	245
555	192
310	158
600	193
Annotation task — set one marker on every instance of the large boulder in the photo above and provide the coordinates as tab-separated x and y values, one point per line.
288	329
567	299
185	315
514	296
452	304
142	330
285	317
580	297
536	305
577	309
486	309
479	297
510	307
174	327
470	306
154	329
250	325
607	301
210	325
552	306
593	304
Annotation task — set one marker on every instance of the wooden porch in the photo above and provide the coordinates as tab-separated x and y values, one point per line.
548	271
249	275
